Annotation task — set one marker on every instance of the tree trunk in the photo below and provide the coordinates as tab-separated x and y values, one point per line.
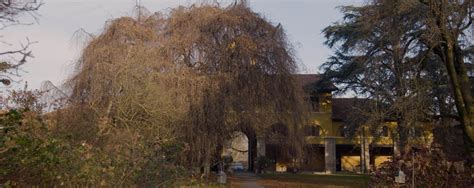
449	52
403	134
462	95
466	93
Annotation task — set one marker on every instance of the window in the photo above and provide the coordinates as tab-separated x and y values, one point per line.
279	129
416	132
314	100
344	131
384	131
311	130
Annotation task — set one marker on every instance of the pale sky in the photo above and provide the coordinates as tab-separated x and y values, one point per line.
57	49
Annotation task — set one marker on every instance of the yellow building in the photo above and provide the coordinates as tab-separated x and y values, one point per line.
328	136
331	145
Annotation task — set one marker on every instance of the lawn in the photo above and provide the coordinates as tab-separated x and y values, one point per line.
314	180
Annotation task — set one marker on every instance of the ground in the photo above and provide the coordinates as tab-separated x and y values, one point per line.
297	180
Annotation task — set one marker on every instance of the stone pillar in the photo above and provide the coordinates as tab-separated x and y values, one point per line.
396	149
261	147
330	155
365	155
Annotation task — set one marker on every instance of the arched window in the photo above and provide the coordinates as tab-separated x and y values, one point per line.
344	131
312	130
416	132
385	131
315	103
279	129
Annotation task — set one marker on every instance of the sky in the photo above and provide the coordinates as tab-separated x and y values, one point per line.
57	48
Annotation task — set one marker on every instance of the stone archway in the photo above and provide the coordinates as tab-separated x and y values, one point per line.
277	148
243	149
238	148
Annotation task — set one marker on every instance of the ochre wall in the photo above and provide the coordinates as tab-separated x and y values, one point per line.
378	160
350	163
331	128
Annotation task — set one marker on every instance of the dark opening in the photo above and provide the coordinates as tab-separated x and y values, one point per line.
311	130
344	131
314	103
385	131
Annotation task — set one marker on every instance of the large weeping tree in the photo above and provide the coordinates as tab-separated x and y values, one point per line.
245	66
190	79
125	100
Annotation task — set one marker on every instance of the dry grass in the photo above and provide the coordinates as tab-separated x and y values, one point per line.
298	180
313	180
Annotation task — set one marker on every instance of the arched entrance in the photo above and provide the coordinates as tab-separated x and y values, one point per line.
277	147
238	149
242	149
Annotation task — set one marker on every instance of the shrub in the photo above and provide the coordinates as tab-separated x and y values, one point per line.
431	170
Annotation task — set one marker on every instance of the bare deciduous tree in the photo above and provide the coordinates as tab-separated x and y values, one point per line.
246	66
11	60
450	23
189	79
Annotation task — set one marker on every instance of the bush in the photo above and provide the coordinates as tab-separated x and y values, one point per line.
39	149
264	163
431	170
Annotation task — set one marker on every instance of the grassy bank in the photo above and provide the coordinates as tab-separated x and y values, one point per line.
350	180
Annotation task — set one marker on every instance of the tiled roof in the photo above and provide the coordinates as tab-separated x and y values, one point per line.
305	79
314	83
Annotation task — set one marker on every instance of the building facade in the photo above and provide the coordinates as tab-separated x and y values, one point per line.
331	144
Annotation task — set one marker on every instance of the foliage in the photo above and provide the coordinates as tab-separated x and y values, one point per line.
394	53
264	163
449	24
29	153
378	55
151	99
313	180
430	168
35	151
189	79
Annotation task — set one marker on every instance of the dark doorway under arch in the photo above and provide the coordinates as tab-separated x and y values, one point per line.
243	149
